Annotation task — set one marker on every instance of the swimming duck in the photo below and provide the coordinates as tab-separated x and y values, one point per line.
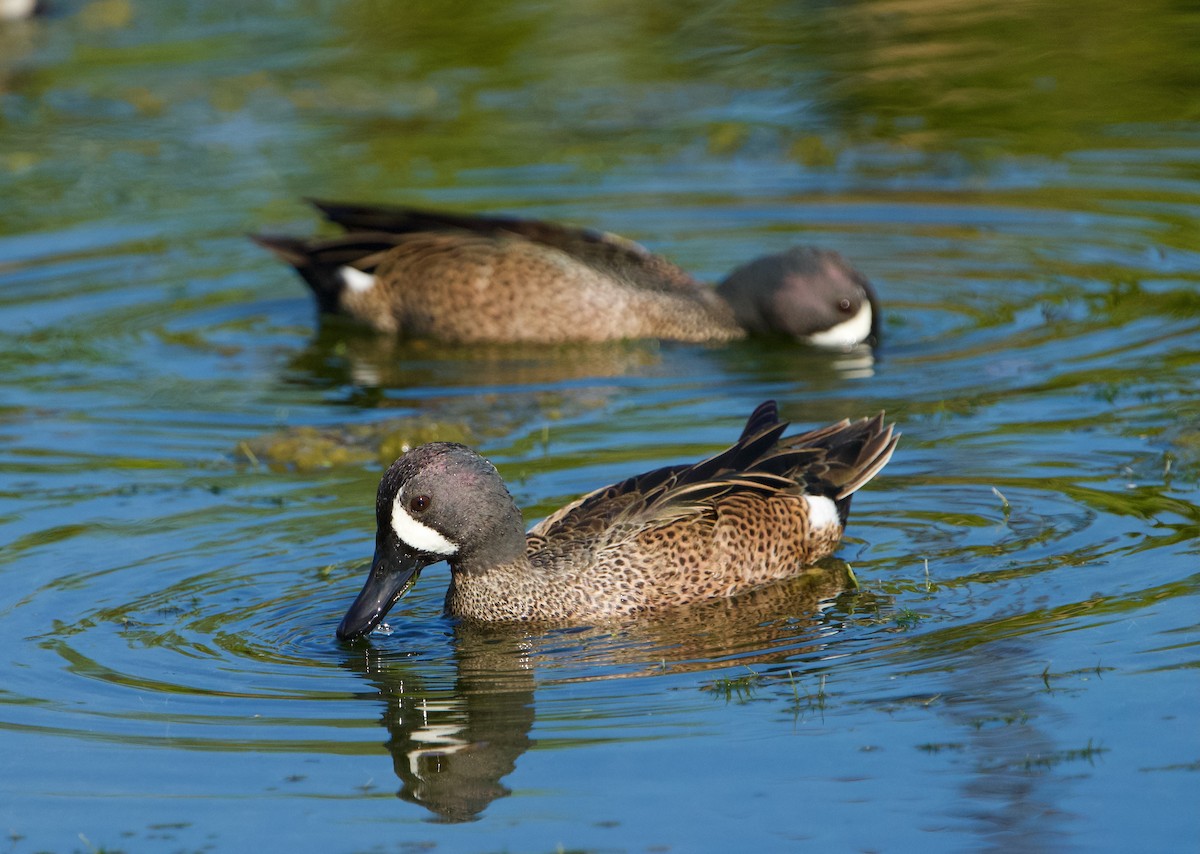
757	512
475	279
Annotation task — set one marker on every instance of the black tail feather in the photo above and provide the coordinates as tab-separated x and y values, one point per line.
398	219
319	262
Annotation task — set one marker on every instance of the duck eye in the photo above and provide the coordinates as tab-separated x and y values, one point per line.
844	304
419	503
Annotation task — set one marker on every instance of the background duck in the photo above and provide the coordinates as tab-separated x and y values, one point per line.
758	512
474	279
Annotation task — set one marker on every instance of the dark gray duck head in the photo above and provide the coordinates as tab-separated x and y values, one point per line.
440	501
809	294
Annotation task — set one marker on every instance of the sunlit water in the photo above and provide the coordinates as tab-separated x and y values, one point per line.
1015	669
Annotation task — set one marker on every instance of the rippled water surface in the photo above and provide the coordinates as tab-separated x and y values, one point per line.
188	461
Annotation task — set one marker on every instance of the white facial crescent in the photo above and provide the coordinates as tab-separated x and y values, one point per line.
417	535
848	332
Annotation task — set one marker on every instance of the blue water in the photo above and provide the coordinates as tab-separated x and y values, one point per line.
188	460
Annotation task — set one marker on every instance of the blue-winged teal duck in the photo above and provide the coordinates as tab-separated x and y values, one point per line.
490	279
757	512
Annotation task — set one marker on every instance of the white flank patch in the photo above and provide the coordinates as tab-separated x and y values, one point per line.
848	332
420	537
11	10
357	280
822	512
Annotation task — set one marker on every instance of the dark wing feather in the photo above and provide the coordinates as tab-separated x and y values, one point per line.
832	461
765	415
652	493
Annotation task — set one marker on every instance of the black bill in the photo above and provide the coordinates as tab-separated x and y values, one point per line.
393	571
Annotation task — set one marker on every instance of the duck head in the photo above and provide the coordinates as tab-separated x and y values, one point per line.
440	501
809	294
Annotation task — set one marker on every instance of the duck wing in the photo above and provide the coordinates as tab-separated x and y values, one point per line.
608	254
832	461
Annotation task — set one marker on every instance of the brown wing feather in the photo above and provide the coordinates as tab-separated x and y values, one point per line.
833	461
606	253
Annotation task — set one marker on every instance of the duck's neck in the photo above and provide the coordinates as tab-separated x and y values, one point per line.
701	315
513	589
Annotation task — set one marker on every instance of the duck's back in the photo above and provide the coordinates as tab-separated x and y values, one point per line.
470	288
472	278
756	513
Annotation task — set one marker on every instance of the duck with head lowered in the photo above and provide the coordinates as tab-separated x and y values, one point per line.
472	279
760	511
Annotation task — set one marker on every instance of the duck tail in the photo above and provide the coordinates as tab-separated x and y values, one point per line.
852	452
323	263
870	447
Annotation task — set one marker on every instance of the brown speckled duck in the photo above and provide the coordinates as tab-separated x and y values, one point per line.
757	512
475	279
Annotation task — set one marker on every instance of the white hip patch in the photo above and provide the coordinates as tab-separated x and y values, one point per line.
847	333
419	537
11	10
356	280
822	513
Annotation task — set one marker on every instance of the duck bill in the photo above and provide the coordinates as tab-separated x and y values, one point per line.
393	572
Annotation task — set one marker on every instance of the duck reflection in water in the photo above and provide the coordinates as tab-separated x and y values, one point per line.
453	742
365	369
